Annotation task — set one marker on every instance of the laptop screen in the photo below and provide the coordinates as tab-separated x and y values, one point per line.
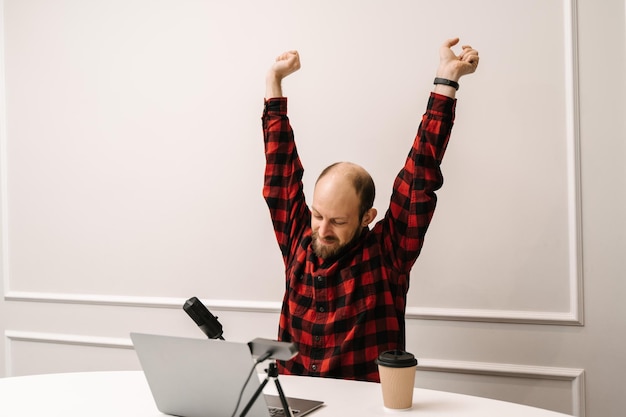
198	377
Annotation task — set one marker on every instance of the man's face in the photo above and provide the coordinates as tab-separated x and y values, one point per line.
335	215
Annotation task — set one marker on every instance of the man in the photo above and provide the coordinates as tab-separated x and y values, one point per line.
346	285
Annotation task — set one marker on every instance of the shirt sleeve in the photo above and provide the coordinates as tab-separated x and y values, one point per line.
283	189
413	199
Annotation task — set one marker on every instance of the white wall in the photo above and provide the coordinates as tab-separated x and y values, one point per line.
132	166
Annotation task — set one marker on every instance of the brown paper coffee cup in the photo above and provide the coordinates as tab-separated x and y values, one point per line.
397	378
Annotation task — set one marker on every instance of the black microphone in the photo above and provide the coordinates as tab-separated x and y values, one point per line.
204	319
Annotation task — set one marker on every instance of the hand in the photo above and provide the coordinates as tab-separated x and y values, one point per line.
454	67
286	63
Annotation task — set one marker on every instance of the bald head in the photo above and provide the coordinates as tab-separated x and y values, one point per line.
348	175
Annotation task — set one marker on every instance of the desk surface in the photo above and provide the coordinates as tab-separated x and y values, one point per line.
123	394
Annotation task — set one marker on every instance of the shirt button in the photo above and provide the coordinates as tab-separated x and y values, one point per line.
317	338
314	367
320	278
320	309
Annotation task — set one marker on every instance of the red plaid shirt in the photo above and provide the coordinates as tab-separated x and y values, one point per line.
342	312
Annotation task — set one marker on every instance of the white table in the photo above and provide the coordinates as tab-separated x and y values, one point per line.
126	393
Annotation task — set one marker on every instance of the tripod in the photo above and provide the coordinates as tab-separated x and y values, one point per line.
272	372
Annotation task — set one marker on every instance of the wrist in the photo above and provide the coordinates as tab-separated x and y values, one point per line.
273	77
273	85
445	90
448	73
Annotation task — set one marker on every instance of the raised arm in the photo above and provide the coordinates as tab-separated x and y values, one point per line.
283	190
286	63
413	198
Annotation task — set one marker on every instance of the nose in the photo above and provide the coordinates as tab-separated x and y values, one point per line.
323	229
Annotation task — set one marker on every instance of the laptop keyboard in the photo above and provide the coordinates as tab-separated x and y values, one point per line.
278	411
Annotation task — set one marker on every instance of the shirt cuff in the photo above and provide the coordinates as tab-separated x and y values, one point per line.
276	105
441	104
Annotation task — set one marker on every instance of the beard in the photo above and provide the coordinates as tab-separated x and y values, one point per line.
326	250
332	246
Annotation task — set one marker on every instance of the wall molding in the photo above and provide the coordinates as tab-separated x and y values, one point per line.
140	301
58	339
573	317
500	369
494	316
572	114
575	376
68	339
273	307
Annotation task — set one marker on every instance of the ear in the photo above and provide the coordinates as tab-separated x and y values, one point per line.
369	217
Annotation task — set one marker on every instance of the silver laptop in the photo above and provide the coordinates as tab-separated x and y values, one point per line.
205	377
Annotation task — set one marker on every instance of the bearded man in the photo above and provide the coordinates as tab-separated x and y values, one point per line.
346	284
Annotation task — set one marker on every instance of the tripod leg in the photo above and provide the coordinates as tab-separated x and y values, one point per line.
254	397
282	397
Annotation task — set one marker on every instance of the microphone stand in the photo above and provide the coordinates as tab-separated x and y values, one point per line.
272	372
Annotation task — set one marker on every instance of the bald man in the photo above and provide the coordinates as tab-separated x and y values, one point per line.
346	284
